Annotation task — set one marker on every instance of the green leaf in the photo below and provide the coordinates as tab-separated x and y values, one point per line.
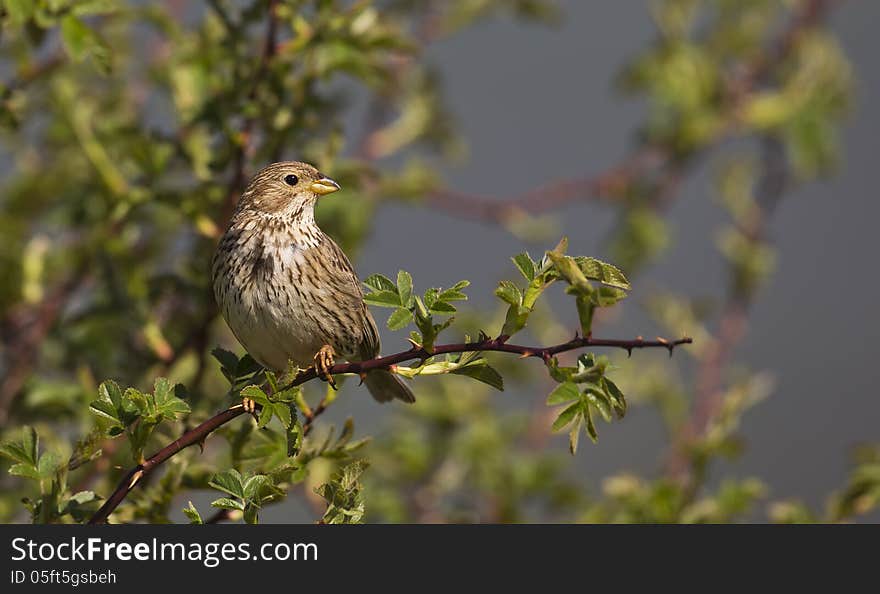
227	503
228	360
48	464
599	401
442	307
254	484
25	470
591	427
112	405
568	415
256	394
515	320
574	435
564	392
399	319
525	265
294	435
603	272
265	415
509	293
482	372
404	287
454	293
345	501
24	451
383	299
228	481
282	411
378	282
192	513
618	401
167	403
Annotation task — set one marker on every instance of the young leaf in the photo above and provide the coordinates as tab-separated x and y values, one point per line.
591	427
404	287
525	265
256	394
509	293
454	292
574	435
603	272
564	392
282	411
228	481
228	361
399	319
442	307
192	513
378	282
599	401
24	451
383	299
254	484
167	403
227	503
482	372
568	415
618	401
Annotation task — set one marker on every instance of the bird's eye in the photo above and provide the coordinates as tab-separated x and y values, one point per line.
291	180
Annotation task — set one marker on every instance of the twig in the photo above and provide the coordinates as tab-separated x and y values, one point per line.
201	432
27	335
236	184
656	164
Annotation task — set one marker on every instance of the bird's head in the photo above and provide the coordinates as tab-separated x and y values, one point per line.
288	187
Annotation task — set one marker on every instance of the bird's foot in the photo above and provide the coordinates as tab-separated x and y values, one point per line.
323	363
249	406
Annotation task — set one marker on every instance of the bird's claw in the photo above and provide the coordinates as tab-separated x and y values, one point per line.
249	406
323	363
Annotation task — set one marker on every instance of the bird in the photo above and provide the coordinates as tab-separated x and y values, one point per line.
287	290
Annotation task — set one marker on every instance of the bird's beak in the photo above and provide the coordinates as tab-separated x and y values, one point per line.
325	185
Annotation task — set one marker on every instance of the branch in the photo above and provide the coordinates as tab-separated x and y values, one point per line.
236	184
26	333
734	317
656	164
198	434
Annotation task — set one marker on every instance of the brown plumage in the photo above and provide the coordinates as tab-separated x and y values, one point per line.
285	288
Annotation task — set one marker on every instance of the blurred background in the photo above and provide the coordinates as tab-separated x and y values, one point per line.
718	152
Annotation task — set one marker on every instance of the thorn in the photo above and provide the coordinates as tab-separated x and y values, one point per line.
662	340
526	354
363	376
640	339
629	352
135	478
415	346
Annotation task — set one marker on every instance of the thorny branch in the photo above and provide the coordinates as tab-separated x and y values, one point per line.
202	431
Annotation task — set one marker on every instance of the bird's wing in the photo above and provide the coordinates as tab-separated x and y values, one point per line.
351	300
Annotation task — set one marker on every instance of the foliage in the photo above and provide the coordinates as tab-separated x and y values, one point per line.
130	129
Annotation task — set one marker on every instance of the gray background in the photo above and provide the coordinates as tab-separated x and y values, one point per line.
537	104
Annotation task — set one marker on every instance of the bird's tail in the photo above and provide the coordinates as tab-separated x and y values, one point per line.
384	386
